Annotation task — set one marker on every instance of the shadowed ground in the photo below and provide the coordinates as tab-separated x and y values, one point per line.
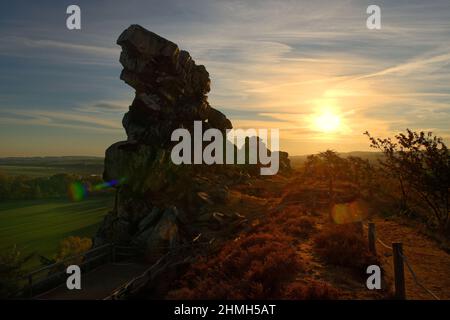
97	284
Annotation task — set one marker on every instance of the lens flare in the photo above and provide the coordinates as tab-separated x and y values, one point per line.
79	191
108	184
349	212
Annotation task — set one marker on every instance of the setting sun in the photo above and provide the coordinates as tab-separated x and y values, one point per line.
327	122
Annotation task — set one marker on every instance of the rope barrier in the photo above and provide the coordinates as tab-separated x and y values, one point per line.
384	244
404	258
417	280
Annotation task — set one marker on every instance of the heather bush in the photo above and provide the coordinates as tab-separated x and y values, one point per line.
343	245
255	266
291	221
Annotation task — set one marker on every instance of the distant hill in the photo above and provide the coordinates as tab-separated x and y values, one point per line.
50	160
46	166
43	166
297	161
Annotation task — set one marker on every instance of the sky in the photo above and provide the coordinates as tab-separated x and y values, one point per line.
312	69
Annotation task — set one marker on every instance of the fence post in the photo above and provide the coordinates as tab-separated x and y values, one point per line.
399	271
372	238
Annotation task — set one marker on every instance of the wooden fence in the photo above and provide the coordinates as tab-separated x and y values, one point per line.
53	275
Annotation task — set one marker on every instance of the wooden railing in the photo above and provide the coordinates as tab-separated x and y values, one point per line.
51	276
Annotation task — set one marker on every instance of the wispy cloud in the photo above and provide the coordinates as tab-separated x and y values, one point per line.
80	119
274	64
410	66
59	51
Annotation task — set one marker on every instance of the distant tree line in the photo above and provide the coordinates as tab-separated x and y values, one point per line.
329	166
24	187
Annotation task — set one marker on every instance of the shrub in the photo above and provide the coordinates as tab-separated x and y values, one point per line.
71	246
11	271
255	266
299	226
290	221
314	290
343	245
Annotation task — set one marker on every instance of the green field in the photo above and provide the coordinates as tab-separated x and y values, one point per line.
39	225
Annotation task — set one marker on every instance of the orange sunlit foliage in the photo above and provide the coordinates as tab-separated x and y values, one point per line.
255	266
343	245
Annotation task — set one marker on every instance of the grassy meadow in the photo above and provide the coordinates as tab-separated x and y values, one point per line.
39	225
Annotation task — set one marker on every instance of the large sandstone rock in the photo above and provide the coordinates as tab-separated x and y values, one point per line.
158	203
170	93
170	88
161	235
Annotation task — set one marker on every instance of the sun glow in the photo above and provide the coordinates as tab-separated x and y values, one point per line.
327	121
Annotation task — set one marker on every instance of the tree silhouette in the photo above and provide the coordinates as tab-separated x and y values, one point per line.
327	166
421	162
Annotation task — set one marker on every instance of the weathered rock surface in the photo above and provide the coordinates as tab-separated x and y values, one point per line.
160	205
170	88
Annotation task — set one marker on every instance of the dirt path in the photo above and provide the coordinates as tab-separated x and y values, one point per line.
430	263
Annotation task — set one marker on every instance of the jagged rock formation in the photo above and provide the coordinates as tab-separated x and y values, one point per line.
170	88
159	204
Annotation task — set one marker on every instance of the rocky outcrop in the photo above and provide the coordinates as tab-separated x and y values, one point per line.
170	88
158	204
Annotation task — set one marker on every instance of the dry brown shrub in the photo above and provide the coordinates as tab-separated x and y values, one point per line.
290	221
255	266
300	227
343	245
